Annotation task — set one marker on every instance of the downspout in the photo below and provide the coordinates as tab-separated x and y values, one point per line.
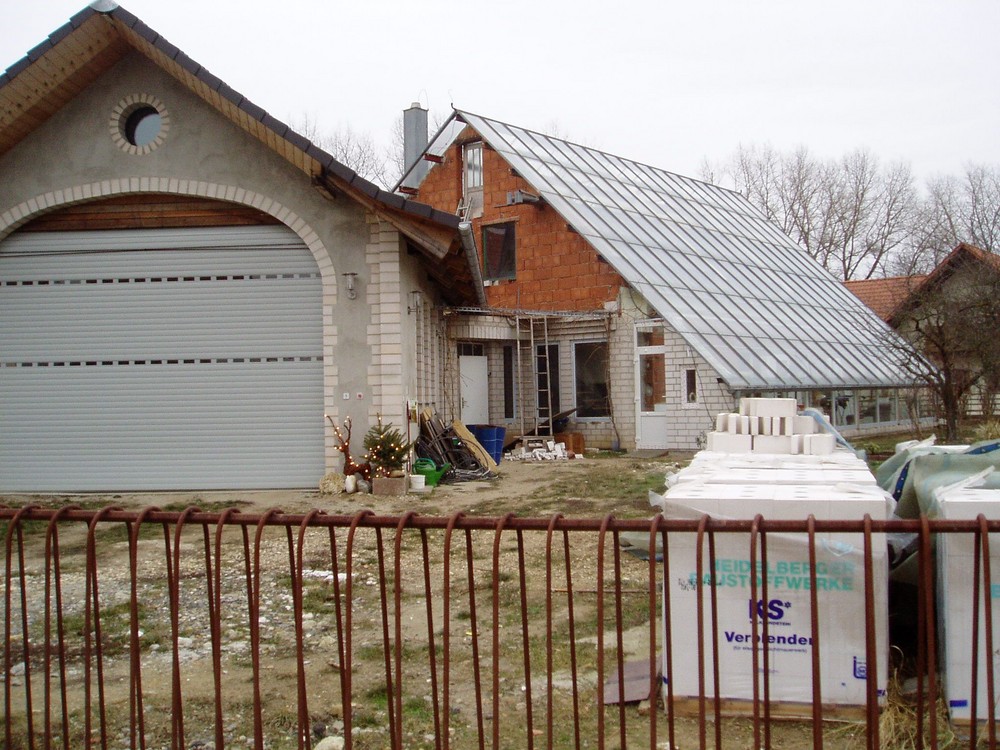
472	256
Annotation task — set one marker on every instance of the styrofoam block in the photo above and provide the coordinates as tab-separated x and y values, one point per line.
955	595
772	444
766	425
733	423
729	442
721	422
748	407
750	474
796	444
804	425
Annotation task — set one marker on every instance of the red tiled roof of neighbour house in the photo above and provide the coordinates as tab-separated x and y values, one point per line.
883	296
962	254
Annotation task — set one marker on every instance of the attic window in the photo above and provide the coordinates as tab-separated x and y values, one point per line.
139	123
142	126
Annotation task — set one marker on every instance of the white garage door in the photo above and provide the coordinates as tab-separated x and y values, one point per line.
160	359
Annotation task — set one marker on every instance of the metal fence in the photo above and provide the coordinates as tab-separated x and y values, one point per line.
154	629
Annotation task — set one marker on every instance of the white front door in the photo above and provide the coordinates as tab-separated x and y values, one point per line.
652	398
473	375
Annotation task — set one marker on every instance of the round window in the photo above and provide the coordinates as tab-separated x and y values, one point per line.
142	126
139	123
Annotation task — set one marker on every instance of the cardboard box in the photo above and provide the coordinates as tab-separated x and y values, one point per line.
573	441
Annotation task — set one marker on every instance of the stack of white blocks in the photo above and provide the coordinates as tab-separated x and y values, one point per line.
751	468
769	425
956	562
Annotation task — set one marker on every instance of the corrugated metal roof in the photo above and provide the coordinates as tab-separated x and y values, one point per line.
750	301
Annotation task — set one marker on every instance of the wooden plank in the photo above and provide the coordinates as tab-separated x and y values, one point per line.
688	707
149	211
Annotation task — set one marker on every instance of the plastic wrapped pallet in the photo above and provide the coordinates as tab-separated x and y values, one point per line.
956	558
839	581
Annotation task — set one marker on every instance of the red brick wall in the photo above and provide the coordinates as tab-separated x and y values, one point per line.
557	269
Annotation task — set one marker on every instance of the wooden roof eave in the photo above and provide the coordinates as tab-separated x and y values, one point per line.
434	238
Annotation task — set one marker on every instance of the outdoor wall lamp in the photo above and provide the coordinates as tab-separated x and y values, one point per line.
351	293
416	302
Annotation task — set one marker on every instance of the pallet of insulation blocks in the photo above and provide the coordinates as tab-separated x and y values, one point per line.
760	475
769	425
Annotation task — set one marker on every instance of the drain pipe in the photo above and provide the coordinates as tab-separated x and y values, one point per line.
472	255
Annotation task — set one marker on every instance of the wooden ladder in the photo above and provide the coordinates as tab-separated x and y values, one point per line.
541	375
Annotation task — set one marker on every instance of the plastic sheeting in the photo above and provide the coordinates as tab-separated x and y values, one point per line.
917	469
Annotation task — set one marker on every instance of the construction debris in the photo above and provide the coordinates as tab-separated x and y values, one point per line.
535	449
445	446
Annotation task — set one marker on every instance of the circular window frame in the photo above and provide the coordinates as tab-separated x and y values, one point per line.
120	122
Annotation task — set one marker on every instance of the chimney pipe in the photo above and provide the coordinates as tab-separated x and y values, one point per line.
414	144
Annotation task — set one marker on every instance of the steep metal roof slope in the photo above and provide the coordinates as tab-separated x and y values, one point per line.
759	310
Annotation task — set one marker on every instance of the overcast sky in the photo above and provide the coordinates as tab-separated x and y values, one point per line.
662	82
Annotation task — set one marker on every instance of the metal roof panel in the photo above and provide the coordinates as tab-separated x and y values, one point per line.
753	304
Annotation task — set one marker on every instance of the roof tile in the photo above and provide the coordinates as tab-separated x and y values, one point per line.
884	295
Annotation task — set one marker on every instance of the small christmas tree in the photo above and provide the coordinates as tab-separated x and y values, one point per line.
386	449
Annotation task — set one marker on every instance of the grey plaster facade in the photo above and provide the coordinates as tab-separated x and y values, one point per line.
77	155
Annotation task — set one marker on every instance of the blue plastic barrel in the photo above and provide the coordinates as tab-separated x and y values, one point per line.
494	442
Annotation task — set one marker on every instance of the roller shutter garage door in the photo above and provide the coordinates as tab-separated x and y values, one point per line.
160	359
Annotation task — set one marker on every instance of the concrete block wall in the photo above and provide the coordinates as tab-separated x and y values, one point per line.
690	422
385	333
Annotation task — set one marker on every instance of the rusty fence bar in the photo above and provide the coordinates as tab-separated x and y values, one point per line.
154	629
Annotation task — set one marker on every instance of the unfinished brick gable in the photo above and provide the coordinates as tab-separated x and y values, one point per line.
557	269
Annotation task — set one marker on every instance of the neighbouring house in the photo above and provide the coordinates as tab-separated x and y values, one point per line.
192	294
944	314
640	301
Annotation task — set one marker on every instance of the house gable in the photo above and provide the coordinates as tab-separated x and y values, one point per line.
97	38
556	268
761	312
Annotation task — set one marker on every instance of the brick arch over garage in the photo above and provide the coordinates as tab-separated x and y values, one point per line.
16	216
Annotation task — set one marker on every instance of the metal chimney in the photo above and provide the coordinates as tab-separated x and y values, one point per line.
414	143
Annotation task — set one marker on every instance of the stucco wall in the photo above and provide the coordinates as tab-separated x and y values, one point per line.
76	155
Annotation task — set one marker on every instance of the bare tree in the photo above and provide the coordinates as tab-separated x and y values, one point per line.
352	149
849	214
955	210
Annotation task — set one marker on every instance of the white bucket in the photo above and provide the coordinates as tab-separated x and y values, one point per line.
417	481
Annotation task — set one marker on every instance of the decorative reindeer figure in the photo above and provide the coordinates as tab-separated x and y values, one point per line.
344	446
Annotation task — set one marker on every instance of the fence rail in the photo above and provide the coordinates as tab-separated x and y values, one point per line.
157	629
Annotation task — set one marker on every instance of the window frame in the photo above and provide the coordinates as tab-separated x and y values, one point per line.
581	414
690	387
508	271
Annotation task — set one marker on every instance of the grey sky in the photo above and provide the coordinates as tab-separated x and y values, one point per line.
666	83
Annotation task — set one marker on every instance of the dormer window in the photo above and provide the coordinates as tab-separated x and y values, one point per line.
472	180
